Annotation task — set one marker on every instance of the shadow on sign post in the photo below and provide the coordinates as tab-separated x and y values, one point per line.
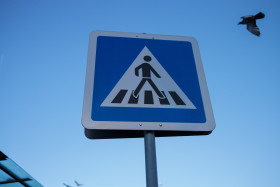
112	134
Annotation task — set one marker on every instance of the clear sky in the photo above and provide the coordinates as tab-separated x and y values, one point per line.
43	54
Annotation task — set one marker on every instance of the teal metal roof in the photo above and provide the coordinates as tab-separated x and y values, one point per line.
12	175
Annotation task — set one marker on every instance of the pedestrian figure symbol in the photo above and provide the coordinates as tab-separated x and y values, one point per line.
147	69
147	84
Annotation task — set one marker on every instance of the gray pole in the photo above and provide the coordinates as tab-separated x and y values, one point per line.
150	158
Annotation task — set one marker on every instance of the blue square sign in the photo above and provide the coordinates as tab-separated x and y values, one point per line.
145	82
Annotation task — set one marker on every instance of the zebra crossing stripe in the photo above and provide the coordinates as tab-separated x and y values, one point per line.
165	100
148	97
176	98
119	97
132	99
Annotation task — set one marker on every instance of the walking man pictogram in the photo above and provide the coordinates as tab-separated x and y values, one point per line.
146	77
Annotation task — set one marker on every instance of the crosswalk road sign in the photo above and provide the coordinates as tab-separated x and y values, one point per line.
126	94
145	82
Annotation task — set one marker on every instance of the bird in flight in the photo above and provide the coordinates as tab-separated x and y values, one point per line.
250	21
67	185
77	183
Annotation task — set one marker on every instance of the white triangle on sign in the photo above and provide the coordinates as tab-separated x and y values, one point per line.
123	94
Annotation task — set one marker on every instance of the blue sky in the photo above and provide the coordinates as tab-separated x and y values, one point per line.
43	54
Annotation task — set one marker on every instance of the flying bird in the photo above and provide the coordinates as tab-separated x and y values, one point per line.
250	21
67	185
77	183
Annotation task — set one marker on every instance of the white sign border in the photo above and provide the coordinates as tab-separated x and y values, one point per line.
88	123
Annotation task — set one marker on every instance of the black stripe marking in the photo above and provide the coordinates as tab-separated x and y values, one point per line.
148	99
132	99
165	100
176	98
119	97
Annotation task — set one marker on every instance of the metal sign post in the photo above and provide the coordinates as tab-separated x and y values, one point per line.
150	159
145	85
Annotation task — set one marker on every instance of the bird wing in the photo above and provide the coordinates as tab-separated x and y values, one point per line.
260	15
77	183
253	28
246	17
